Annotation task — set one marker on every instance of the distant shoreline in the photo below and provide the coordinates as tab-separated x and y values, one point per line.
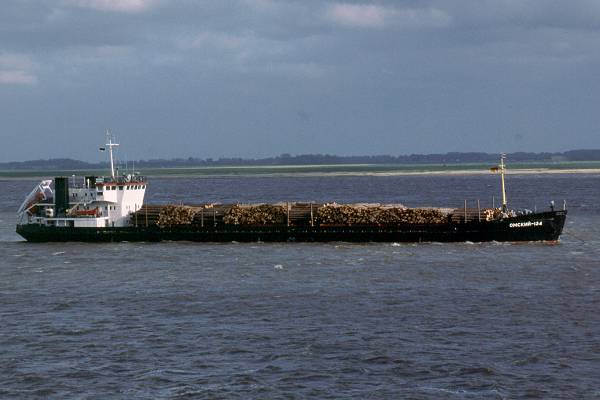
464	172
447	160
322	170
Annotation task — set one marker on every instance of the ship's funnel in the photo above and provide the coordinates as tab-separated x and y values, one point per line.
90	182
61	195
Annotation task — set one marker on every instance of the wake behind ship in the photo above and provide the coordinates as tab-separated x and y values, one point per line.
111	208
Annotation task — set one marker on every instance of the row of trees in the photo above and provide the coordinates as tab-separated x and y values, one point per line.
316	159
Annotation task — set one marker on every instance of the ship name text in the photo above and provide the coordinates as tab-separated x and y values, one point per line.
524	224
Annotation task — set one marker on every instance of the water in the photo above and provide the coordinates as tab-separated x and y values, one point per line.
255	321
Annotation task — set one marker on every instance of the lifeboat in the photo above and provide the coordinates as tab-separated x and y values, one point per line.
86	213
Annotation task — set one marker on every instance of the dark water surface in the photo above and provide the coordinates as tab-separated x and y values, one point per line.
257	321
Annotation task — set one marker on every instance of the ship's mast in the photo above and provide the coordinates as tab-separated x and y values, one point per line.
502	170
110	146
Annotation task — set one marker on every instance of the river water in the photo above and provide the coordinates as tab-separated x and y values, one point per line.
335	320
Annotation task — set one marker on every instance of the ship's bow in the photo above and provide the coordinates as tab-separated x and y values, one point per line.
558	218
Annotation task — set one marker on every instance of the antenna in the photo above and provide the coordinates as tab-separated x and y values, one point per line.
110	146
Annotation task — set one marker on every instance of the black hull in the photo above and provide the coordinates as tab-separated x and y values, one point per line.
533	227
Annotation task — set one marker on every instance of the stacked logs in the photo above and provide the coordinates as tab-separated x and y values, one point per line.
341	214
147	215
335	214
176	215
273	214
264	214
422	216
490	214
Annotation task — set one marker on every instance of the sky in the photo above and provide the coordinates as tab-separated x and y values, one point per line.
257	78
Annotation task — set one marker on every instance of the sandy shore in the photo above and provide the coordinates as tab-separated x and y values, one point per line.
465	172
281	171
524	171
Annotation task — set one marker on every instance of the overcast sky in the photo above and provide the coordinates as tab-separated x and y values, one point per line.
254	78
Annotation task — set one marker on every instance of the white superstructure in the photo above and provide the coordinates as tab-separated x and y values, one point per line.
89	201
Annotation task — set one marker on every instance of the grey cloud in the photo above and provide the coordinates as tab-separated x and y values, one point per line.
126	6
211	78
527	14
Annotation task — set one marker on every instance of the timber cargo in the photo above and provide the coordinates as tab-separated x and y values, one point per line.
111	208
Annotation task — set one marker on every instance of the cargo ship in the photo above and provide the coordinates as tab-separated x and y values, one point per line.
111	209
